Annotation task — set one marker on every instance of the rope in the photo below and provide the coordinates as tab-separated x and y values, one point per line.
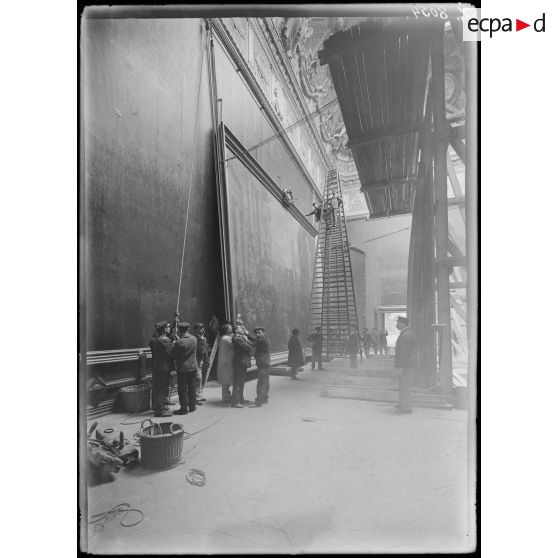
111	514
139	401
188	435
196	477
191	170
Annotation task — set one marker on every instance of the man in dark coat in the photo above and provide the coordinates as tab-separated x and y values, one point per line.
202	358
317	340
367	342
184	354
241	362
161	366
296	358
405	361
374	341
316	211
352	346
261	353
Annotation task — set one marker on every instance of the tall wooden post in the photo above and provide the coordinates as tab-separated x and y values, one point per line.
420	277
441	135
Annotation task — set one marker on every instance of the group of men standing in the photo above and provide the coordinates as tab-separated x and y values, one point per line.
244	346
377	341
187	354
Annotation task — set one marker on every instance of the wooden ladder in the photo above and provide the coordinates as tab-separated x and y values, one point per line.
333	305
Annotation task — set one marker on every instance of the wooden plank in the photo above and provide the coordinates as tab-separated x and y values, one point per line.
459	147
457	190
386	183
383	133
457	200
441	209
450	261
371	394
454	249
458	308
458	132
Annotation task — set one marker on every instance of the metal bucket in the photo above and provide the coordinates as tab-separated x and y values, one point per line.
161	444
136	398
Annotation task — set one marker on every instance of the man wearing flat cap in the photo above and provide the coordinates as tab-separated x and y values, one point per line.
262	350
203	360
405	361
184	354
161	367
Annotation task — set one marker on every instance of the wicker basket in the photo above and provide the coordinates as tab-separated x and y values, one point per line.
161	444
136	398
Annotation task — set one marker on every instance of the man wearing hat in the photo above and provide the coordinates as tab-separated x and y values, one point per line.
161	366
317	340
405	361
202	358
261	353
243	350
184	354
353	346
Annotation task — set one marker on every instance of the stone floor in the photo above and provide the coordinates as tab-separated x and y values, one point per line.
304	473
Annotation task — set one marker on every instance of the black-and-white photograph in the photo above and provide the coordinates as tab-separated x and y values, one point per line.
278	215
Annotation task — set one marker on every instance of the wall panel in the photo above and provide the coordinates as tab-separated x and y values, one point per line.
140	87
273	257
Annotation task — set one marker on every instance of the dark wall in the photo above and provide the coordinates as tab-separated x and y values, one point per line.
140	82
386	259
140	87
273	258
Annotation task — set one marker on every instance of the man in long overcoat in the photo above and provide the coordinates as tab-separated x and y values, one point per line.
317	340
161	367
243	350
184	354
296	357
353	346
367	342
225	368
261	354
202	357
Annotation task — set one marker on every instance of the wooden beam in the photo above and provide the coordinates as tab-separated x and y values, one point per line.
441	209
451	261
382	133
457	200
371	37
385	183
458	308
458	132
250	163
459	147
457	190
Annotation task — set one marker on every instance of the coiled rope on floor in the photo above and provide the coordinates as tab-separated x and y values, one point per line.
101	519
196	477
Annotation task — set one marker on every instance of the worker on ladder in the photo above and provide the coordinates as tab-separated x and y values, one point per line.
331	208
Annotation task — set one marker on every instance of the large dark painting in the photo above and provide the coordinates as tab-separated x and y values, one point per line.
272	256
